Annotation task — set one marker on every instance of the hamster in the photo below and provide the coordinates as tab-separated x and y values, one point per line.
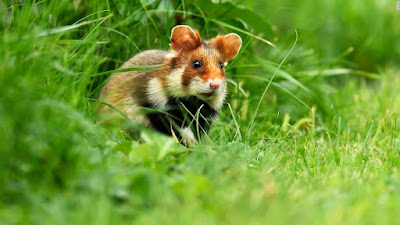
180	97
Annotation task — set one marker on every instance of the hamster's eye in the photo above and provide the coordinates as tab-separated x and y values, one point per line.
197	64
221	65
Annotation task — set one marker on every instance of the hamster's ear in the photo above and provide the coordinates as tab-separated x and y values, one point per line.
228	45
184	38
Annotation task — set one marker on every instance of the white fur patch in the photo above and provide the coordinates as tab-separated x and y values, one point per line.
188	135
156	93
174	82
197	86
170	55
218	99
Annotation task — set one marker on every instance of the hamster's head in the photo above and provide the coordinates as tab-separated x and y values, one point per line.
199	65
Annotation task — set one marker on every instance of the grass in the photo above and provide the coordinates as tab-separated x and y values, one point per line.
320	147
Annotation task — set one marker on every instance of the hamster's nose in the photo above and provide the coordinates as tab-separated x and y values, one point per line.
215	84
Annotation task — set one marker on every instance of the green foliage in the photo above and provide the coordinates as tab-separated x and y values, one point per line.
321	147
364	32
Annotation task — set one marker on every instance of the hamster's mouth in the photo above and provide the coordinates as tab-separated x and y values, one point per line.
207	95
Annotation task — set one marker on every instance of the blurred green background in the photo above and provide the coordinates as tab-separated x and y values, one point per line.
308	134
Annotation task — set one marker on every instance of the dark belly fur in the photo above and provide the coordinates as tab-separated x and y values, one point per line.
182	112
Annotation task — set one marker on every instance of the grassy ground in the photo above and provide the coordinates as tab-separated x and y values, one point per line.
321	146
